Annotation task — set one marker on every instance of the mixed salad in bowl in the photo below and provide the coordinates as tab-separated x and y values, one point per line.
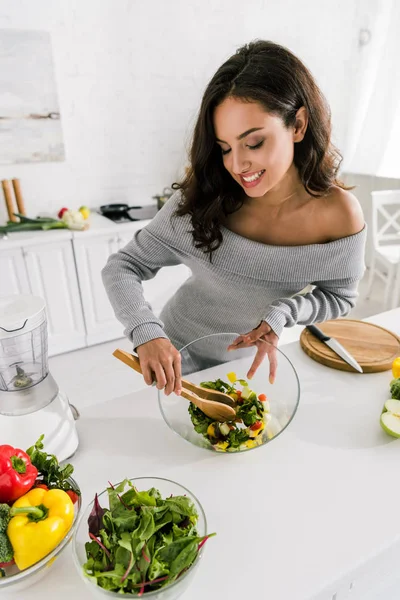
252	415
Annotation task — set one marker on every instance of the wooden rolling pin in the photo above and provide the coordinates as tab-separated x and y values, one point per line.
18	196
8	195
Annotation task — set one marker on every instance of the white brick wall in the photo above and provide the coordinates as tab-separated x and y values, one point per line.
130	77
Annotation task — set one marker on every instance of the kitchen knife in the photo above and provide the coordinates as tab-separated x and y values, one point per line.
335	346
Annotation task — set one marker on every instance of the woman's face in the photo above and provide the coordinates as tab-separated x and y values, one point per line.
257	149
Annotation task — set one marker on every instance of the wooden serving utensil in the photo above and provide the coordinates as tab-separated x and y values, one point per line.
18	196
216	405
8	196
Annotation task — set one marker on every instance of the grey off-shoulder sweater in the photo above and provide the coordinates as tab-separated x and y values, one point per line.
247	282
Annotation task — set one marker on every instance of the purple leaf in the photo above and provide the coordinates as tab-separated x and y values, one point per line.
95	520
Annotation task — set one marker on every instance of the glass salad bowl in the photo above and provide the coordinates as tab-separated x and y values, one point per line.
148	546
266	409
14	580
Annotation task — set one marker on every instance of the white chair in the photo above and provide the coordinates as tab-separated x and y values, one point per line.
386	245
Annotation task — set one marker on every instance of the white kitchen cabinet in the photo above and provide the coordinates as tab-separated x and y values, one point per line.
52	276
13	273
91	254
64	268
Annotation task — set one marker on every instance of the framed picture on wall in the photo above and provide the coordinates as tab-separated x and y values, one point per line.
30	123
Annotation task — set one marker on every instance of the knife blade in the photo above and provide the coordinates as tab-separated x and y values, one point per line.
335	346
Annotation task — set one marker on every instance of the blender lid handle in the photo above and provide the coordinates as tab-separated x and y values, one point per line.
12	330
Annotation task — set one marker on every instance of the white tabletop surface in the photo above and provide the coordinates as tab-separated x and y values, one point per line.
301	518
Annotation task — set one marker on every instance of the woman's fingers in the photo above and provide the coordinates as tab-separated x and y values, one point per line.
262	350
148	374
160	361
248	339
273	362
178	374
244	341
161	378
266	345
236	343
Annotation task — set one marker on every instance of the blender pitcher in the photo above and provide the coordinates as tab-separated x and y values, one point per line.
25	382
30	401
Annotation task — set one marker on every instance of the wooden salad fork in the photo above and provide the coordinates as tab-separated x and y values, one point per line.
214	404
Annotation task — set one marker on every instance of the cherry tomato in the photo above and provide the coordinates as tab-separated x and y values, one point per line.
73	495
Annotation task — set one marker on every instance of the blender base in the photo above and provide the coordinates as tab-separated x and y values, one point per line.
55	421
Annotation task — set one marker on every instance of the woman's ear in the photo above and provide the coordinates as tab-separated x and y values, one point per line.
300	126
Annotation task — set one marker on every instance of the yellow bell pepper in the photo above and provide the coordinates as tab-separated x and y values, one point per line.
40	520
232	376
396	368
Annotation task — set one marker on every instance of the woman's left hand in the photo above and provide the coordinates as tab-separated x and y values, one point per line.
257	337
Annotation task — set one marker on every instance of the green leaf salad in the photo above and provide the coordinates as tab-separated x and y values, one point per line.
142	542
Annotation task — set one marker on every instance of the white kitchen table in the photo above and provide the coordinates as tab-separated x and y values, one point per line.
312	514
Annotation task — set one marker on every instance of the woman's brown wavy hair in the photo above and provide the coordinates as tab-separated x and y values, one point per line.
270	74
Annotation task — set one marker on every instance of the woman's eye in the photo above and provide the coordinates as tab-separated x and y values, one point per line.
225	151
256	146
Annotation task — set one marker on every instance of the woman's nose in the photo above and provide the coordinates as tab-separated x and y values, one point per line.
240	163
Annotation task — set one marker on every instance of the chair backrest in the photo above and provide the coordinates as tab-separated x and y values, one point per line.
385	217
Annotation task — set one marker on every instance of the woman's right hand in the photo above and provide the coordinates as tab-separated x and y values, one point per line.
160	361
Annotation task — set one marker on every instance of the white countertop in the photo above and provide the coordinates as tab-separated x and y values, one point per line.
98	225
298	519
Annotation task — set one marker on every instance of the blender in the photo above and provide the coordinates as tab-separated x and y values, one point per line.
30	402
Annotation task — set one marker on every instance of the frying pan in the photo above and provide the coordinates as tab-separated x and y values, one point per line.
115	209
134	213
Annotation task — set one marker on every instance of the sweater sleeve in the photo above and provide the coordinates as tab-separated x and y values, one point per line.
123	274
328	300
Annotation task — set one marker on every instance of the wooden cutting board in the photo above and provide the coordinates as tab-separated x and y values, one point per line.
373	347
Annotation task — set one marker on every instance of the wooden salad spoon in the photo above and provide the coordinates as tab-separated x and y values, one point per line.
214	404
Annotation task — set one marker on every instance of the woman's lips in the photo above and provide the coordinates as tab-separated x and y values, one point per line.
254	178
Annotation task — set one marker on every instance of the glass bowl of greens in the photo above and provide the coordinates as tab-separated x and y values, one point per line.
141	537
263	409
13	580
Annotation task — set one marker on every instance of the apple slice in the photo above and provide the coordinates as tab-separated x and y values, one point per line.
390	418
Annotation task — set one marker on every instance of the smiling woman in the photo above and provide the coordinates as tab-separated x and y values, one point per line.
259	217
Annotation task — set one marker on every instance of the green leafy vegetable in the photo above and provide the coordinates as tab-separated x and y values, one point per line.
51	473
27	224
219	385
142	541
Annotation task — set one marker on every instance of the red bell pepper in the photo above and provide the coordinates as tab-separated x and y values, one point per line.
17	474
256	426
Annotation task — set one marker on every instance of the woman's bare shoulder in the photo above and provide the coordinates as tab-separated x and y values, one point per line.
343	215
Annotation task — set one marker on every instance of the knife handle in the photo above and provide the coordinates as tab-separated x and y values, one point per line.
320	335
